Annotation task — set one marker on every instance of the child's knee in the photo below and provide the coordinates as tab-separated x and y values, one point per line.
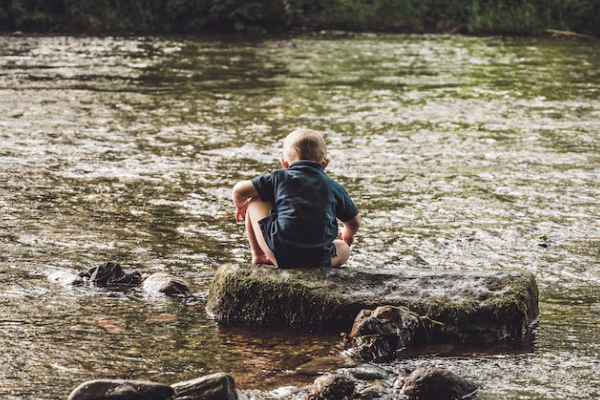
256	205
343	253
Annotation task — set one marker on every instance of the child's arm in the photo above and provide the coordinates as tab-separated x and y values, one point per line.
242	193
349	230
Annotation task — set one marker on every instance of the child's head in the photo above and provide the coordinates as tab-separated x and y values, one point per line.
304	144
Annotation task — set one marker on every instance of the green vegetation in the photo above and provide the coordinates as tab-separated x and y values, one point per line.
193	16
489	309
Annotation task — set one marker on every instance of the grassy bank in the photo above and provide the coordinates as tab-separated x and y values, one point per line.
516	17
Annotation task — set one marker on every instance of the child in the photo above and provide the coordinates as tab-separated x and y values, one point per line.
291	213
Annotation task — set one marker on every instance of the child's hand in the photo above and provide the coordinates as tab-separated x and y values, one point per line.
240	211
349	230
241	195
346	236
348	239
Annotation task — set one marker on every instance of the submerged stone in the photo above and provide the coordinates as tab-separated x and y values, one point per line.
365	372
219	386
434	383
120	389
166	284
482	307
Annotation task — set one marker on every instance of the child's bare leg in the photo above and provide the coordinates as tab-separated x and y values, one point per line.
343	253
261	253
258	255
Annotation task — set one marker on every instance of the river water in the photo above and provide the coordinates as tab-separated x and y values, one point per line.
462	153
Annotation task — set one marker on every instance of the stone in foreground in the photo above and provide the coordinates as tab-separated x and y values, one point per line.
217	386
365	372
483	307
434	383
120	389
332	387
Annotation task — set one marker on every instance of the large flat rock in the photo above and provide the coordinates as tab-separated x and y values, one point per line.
482	307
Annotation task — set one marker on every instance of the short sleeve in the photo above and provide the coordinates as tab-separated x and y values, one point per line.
265	186
345	209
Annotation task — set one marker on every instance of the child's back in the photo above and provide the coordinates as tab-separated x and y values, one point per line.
294	222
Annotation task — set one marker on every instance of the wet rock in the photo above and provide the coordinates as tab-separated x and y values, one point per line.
387	321
359	321
244	395
332	387
377	335
434	383
217	386
483	307
166	284
66	278
375	390
119	389
111	274
281	393
374	348
365	372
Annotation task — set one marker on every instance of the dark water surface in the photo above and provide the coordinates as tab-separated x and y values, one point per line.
462	153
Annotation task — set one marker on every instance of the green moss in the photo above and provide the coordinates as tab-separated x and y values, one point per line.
497	307
254	295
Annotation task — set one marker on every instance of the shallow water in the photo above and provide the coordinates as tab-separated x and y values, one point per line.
462	153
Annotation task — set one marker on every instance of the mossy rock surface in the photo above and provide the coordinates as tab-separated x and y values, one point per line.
483	307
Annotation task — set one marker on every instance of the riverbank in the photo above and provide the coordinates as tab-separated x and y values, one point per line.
525	17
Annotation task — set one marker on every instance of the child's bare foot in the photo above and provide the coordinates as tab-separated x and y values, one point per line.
261	259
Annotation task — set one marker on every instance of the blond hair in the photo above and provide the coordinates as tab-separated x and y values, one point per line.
304	144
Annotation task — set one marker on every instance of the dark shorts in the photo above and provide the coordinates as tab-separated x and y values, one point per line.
291	256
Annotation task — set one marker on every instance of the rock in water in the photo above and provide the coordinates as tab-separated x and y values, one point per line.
482	307
119	389
332	387
377	335
66	278
378	390
365	372
164	283
112	274
217	386
434	383
387	321
374	348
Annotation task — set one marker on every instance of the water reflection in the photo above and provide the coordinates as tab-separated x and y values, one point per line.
460	152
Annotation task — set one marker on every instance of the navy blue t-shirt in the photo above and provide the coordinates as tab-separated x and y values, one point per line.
302	227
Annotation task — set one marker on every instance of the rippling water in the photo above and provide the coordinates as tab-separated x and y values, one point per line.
462	153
